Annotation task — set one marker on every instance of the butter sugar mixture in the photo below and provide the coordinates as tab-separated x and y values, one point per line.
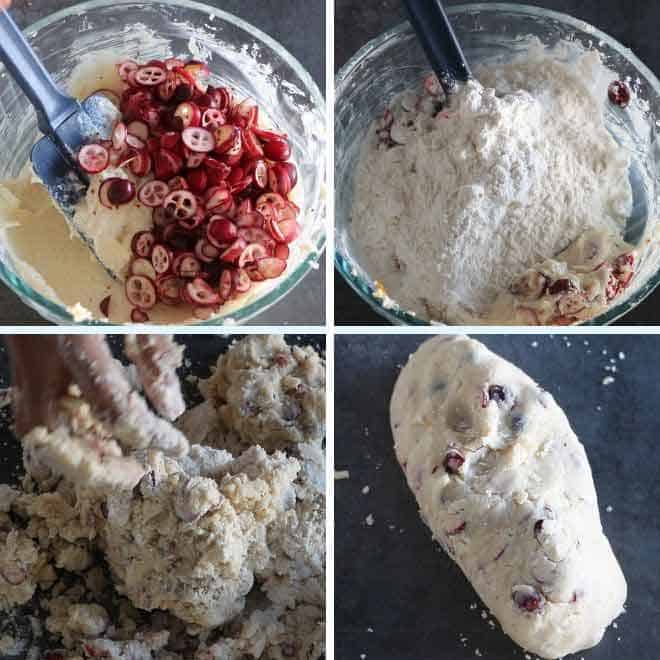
216	554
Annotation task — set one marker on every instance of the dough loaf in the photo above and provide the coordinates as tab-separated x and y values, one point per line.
505	487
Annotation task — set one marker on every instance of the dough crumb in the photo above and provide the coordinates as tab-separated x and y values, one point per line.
369	520
609	508
608	380
366	490
342	474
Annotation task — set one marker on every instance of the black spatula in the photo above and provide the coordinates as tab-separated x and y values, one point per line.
66	123
435	33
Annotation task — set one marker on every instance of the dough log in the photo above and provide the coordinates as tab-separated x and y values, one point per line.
505	487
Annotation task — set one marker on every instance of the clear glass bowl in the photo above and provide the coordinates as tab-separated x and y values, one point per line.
394	62
247	59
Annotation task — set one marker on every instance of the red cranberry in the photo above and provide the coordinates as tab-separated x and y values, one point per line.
497	393
121	191
527	598
453	461
619	93
560	286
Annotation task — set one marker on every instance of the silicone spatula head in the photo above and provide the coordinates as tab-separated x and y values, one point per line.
66	124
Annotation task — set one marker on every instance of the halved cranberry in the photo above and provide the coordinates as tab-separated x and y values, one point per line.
221	231
166	164
228	140
141	266
188	115
453	461
290	230
246	113
119	133
253	252
199	73
186	264
170	140
115	191
619	93
216	197
225	284
278	149
139	316
169	289
497	393
213	118
279	179
281	251
125	67
217	170
205	251
178	183
167	89
527	598
241	282
104	306
249	219
256	235
234	251
141	163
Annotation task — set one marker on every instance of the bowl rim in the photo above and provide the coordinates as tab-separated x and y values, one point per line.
366	290
242	315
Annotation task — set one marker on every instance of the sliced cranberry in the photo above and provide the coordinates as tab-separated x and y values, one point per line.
279	179
180	204
249	219
186	265
198	139
213	118
198	180
217	197
527	598
141	291
234	251
188	115
228	140
267	135
225	284
142	244
199	73
178	183
256	235
290	229
253	146
161	259
619	93
153	193
170	140
150	75
205	251
93	158
201	293
453	461
169	289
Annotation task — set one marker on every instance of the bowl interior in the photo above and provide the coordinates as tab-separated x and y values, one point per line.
239	55
394	62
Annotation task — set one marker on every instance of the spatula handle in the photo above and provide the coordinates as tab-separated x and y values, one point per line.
435	33
52	106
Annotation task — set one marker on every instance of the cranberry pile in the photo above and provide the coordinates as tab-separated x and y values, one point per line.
218	185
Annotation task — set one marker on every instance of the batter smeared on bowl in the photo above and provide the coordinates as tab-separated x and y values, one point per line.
505	203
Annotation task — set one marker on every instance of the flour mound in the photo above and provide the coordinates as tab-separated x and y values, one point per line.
463	199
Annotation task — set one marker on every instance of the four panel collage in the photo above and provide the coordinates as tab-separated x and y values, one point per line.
329	330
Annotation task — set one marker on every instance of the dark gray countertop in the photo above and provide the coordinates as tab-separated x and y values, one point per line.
633	23
398	596
281	20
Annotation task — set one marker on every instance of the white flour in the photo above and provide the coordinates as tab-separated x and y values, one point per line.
508	174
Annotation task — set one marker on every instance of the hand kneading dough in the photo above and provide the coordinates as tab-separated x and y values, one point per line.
505	486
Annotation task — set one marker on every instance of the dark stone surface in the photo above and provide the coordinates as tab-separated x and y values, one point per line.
282	20
634	24
393	579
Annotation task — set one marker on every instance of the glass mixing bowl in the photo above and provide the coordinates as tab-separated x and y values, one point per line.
395	61
247	60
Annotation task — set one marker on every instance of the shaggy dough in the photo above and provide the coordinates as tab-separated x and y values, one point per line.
212	555
505	486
